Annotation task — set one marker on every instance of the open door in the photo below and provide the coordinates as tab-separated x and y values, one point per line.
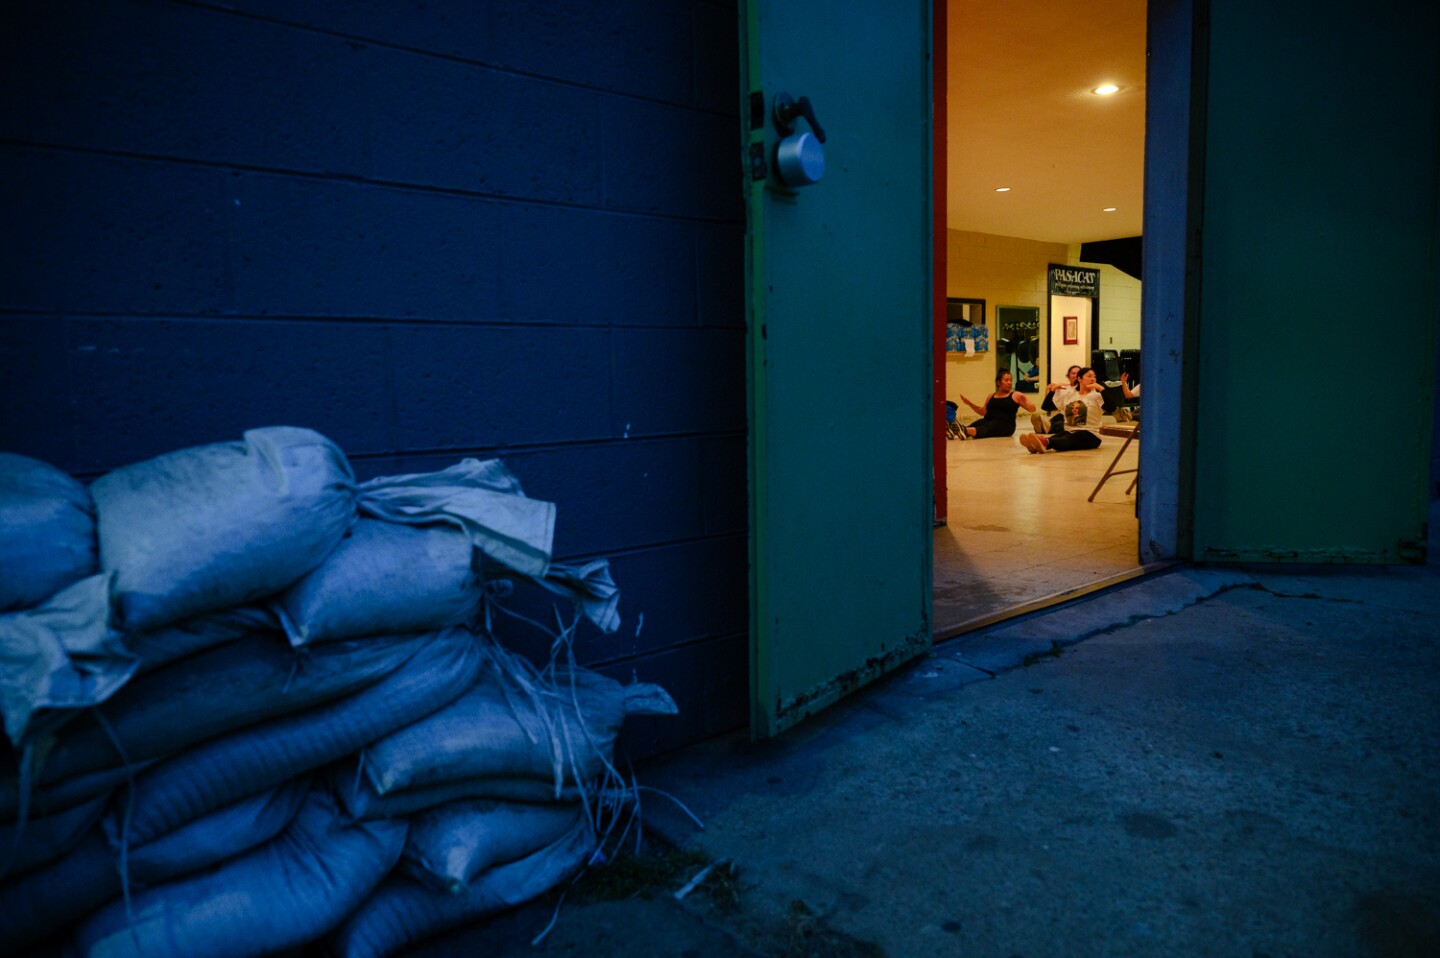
839	345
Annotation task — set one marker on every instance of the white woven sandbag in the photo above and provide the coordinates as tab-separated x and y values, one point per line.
591	587
170	643
59	657
450	845
386	578
226	768
360	800
209	839
18	794
47	531
233	686
482	499
402	911
54	896
27	845
281	895
514	724
217	526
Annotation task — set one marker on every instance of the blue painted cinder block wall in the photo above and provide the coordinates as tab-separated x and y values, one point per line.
429	230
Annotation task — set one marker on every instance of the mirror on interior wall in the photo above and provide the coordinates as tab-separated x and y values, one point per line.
1018	345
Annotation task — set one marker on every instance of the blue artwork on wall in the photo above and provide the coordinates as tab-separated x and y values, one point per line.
956	335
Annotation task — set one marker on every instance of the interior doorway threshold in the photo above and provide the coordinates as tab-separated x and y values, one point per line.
945	632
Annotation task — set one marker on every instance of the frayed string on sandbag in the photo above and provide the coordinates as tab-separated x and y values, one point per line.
492	591
125	818
639	811
565	642
679	804
612	799
530	681
523	674
609	774
535	942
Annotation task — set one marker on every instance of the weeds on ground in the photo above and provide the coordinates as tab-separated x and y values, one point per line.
659	871
806	935
1035	658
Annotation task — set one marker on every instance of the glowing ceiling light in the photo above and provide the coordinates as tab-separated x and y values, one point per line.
1109	209
1105	89
1002	189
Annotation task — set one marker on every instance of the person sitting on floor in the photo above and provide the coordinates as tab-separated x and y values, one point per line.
1083	405
1056	422
997	415
1128	413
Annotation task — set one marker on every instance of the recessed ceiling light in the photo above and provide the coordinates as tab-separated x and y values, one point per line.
1105	89
1002	189
1109	209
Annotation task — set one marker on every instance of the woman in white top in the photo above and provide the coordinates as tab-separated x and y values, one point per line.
1083	404
1056	422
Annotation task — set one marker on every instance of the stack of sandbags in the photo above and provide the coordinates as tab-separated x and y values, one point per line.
220	633
502	788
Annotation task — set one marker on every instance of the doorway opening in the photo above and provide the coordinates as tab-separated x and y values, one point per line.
1036	165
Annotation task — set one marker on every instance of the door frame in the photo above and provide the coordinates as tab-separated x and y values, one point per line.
1169	300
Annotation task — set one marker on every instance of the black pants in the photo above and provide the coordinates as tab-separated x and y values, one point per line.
993	428
1075	439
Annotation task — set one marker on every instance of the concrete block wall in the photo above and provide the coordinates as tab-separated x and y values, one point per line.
429	230
1119	305
1003	271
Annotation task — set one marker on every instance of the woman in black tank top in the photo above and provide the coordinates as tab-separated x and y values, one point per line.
997	415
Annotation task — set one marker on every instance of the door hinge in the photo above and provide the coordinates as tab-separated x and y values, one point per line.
759	169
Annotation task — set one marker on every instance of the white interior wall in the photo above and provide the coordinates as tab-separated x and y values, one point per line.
1119	307
1003	271
1062	356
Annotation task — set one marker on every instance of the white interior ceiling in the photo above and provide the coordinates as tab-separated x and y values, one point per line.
1021	115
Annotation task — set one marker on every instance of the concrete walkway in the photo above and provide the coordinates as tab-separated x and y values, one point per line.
1205	762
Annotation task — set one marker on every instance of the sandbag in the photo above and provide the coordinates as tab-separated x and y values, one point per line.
41	903
515	725
47	532
360	800
482	499
449	846
38	905
591	587
211	838
217	526
283	894
27	845
56	798
239	684
386	578
170	643
402	911
60	656
226	768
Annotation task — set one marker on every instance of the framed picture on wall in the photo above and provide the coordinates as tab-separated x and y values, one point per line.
1072	330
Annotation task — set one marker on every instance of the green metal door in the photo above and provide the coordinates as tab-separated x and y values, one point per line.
839	350
1317	297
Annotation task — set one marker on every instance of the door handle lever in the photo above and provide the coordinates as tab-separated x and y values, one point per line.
788	110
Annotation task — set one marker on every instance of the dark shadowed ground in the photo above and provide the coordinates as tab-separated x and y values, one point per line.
1229	763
